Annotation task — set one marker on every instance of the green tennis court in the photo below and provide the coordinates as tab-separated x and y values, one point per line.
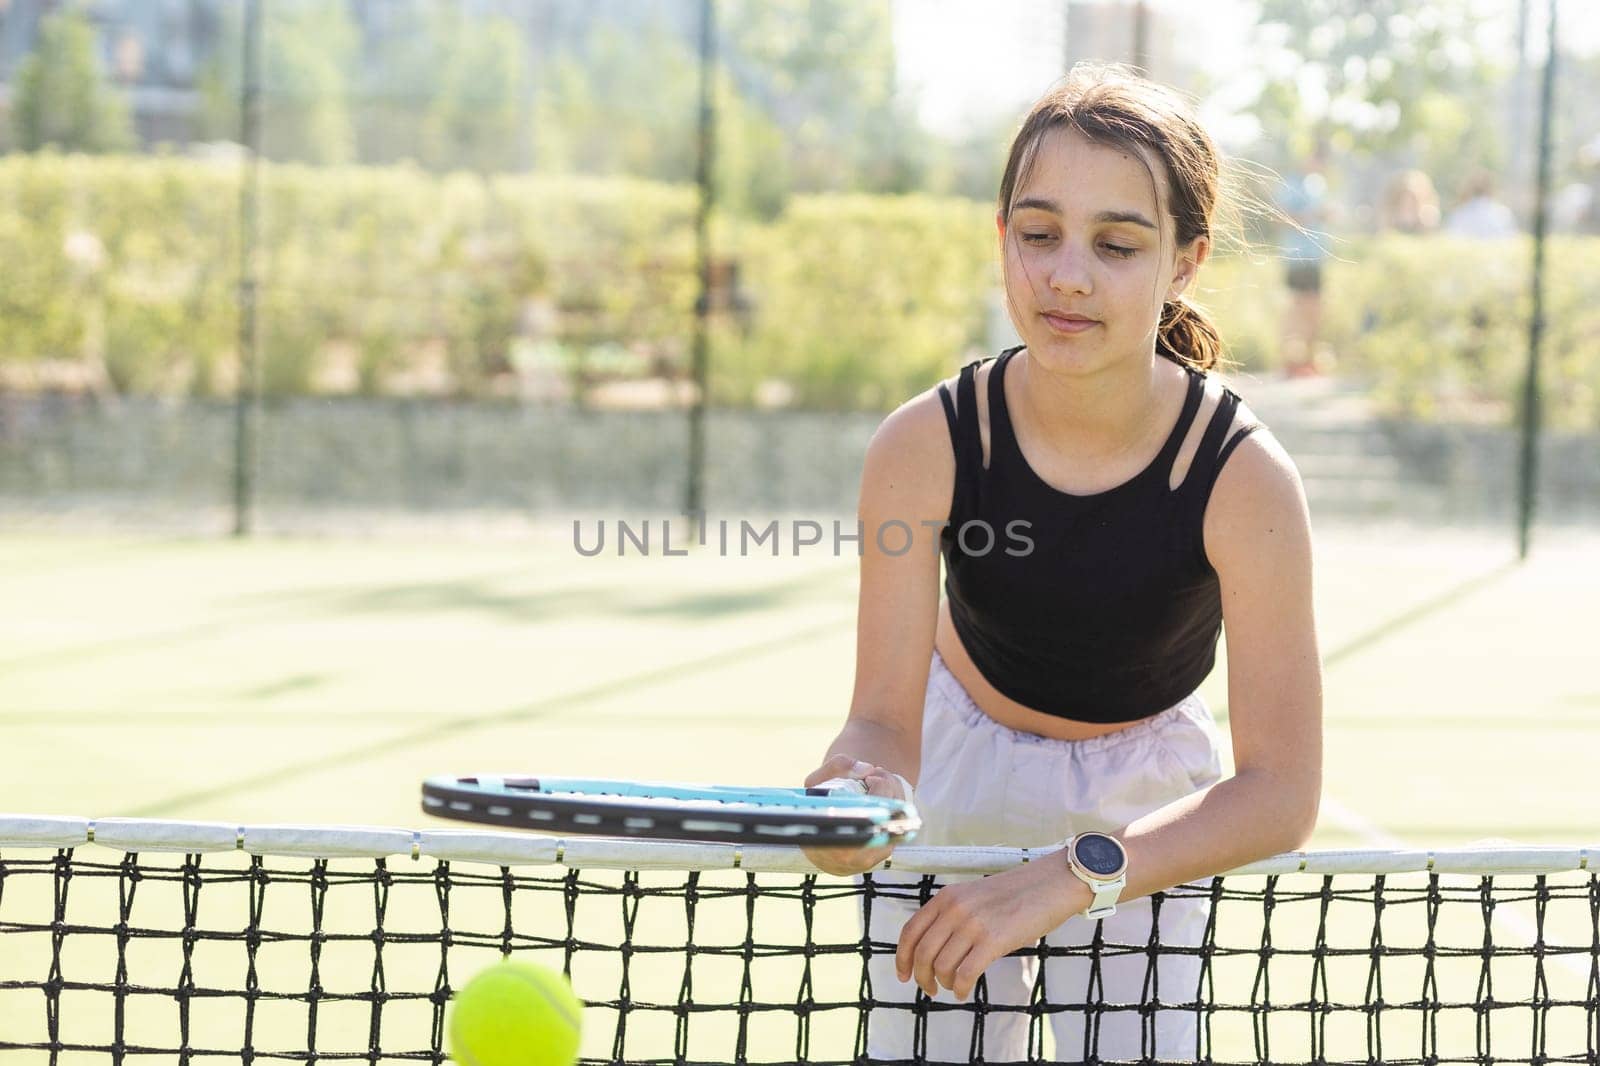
321	680
318	681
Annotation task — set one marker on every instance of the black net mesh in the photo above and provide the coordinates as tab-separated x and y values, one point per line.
233	957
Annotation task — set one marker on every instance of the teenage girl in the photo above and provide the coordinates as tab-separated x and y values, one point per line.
1104	507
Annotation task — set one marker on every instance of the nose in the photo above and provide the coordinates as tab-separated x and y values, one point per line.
1069	271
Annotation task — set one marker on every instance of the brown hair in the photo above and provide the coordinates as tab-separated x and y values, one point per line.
1113	105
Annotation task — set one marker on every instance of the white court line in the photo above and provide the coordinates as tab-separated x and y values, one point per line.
1519	927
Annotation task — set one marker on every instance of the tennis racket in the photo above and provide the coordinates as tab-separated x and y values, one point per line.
836	813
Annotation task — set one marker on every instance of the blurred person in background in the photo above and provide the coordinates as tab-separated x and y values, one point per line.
1480	215
1576	206
1304	204
1410	203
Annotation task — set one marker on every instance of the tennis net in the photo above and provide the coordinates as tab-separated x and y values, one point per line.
125	940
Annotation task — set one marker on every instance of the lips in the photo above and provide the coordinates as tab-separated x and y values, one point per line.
1068	323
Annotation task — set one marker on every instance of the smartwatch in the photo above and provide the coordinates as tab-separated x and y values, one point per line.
1099	861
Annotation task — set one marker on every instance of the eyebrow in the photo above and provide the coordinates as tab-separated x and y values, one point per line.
1104	216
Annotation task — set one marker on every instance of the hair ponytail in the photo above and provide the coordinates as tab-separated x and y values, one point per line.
1188	336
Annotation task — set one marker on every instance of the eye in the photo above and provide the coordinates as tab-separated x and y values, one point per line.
1037	238
1119	250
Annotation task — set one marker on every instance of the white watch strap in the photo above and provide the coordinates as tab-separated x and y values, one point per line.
1105	898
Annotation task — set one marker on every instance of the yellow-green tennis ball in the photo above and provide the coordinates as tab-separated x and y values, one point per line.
516	1014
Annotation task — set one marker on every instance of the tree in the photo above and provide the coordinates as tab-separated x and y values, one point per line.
61	96
1369	77
626	101
806	101
308	50
479	117
398	80
823	72
966	162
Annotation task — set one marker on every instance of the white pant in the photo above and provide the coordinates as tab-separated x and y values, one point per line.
983	784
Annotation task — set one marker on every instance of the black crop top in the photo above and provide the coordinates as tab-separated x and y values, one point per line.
1112	613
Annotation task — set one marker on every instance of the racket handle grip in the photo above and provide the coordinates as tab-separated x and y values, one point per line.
859	787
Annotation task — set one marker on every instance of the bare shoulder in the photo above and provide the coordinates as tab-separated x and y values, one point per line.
910	461
1257	507
917	424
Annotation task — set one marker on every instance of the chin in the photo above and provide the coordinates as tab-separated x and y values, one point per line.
1066	355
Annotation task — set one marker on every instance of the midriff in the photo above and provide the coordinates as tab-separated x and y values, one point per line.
1002	708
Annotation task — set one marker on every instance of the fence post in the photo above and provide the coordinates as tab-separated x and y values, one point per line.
246	392
1528	478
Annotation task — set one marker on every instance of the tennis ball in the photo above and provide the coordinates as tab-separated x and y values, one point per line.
516	1014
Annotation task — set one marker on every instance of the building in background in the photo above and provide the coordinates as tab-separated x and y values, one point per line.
152	51
1124	31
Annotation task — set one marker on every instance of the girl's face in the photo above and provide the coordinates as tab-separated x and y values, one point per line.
1088	255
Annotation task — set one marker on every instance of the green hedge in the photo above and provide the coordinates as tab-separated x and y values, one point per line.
387	271
377	278
861	301
1440	325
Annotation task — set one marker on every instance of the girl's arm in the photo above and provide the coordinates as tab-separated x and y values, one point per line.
906	484
1257	536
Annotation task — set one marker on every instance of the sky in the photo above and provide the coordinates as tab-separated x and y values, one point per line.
968	60
975	59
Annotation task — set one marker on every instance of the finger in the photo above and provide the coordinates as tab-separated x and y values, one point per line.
947	967
838	766
911	934
934	940
843	862
968	970
820	859
885	783
835	861
832	766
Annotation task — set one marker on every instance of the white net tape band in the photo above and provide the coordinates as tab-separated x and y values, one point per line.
519	849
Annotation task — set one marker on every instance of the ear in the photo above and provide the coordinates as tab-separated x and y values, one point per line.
1187	266
1000	225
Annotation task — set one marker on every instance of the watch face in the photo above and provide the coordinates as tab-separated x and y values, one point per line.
1099	854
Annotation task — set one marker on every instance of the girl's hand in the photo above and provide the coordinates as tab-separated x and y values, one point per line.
843	862
963	929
